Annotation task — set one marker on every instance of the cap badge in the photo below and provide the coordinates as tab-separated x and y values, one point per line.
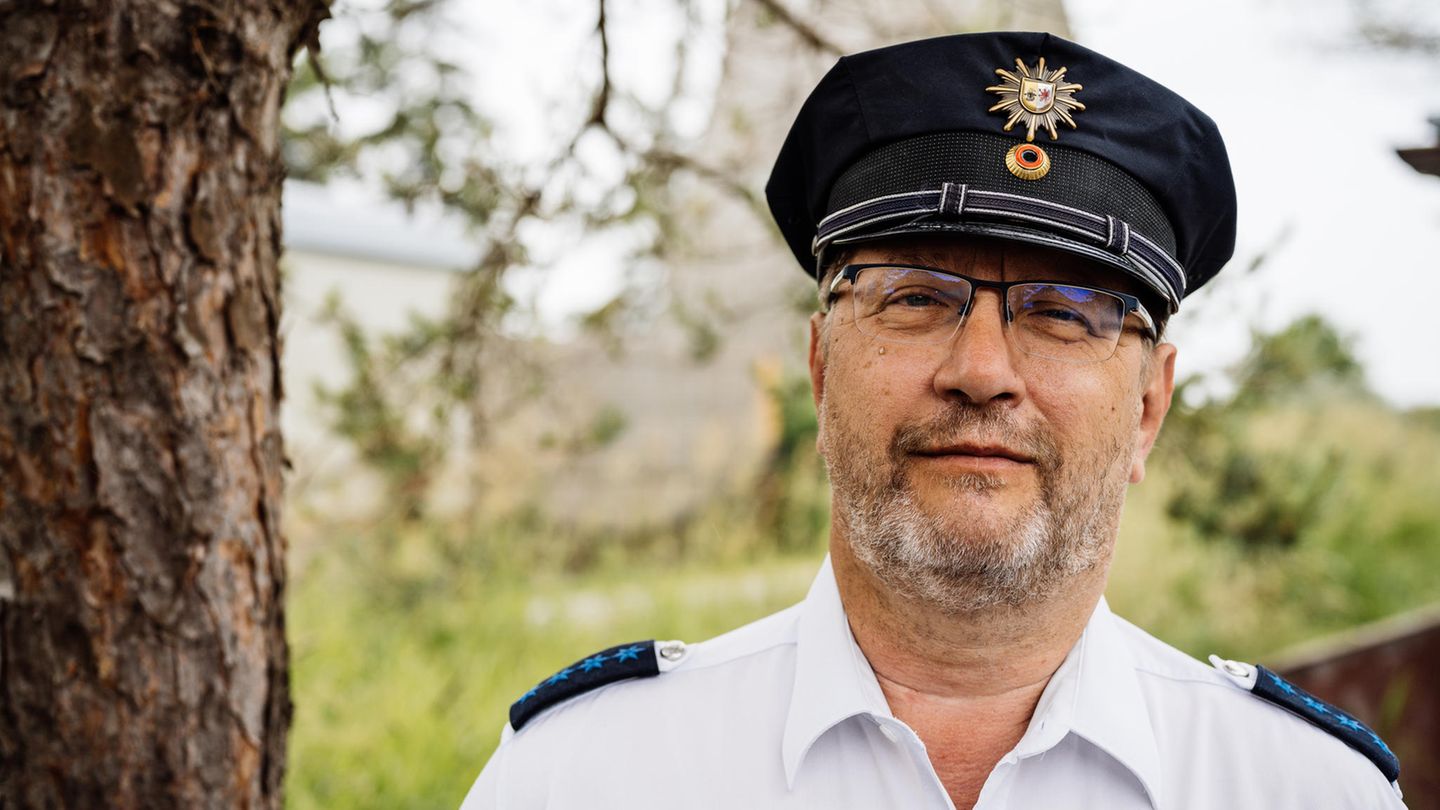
1037	99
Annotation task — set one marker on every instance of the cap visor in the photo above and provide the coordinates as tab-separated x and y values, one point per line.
1030	236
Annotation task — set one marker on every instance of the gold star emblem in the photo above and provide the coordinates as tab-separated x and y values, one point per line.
1037	99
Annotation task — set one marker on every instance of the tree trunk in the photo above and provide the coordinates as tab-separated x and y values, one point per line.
142	637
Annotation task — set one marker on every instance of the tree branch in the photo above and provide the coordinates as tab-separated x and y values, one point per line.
665	158
803	29
602	97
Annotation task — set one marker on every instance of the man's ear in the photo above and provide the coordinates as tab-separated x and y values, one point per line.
817	373
1154	404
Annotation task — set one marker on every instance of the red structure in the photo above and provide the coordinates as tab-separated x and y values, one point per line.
1387	675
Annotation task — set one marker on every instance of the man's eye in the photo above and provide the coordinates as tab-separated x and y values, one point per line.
1062	315
1059	322
917	299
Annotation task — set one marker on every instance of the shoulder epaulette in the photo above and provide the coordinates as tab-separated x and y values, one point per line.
1268	686
639	659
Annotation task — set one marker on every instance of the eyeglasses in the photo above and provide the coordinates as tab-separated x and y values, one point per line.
904	303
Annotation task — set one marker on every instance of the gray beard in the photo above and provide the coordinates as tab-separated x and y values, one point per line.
944	562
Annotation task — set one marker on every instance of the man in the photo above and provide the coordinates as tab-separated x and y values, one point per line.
990	376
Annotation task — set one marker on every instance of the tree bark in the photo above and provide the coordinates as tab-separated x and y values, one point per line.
142	638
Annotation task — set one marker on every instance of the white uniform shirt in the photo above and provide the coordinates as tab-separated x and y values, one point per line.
786	712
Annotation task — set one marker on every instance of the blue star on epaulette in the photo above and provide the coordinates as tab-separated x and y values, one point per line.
592	663
1376	738
1315	704
562	675
1281	684
528	695
631	653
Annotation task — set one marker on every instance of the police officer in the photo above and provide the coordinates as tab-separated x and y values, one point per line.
999	225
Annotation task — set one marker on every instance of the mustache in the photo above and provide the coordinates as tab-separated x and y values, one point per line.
977	425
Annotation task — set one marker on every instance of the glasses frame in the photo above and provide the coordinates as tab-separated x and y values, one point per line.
851	272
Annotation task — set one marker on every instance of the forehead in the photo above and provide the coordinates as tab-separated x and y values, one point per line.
993	259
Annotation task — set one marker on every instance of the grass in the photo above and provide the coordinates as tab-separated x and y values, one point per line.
401	691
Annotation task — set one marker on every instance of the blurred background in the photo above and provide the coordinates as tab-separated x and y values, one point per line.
544	355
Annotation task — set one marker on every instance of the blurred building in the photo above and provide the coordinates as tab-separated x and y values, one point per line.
382	265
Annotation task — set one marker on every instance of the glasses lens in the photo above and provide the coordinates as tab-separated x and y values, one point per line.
1060	322
908	305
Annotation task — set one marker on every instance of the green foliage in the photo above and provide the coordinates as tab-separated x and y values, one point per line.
702	333
792	494
1305	360
1228	482
367	414
1427	418
430	142
607	426
1255	500
1366	549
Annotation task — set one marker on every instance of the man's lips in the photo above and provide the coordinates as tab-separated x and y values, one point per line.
997	453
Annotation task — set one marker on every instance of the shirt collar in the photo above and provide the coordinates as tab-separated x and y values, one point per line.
1095	693
1109	709
833	679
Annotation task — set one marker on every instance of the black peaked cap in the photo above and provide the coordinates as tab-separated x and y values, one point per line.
1144	172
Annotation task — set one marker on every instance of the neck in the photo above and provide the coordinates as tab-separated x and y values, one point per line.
973	654
966	683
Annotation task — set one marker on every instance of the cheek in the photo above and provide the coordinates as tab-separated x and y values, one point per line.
884	382
1088	410
873	392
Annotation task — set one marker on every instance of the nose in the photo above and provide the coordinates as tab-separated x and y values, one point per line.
979	364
